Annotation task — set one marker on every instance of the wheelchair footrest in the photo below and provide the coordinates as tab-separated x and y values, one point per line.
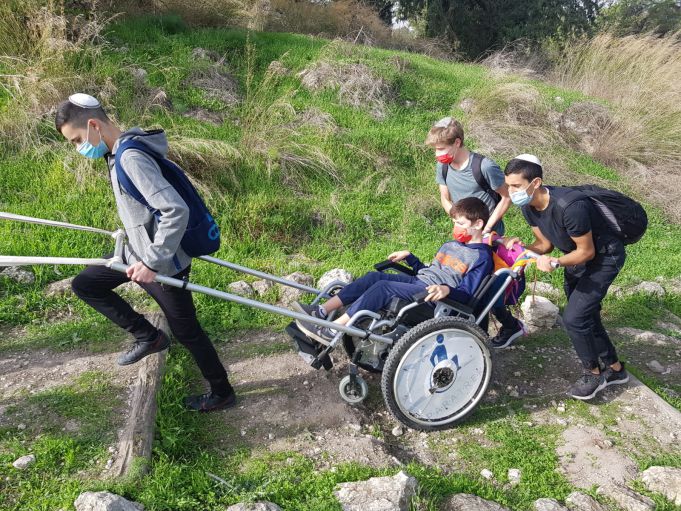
308	349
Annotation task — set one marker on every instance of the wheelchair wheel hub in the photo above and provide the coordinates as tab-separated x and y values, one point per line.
443	376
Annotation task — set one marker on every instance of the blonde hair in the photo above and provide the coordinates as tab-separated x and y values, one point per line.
445	131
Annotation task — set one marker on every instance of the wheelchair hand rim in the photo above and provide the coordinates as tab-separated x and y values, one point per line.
434	386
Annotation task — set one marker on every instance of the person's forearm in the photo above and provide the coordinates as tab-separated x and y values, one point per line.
538	247
576	257
498	213
446	204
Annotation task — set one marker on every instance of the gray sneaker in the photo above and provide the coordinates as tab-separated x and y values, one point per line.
310	310
613	377
319	333
587	386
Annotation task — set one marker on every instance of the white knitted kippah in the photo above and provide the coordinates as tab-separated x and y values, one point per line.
84	100
528	157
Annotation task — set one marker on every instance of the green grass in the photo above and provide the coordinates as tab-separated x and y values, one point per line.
265	218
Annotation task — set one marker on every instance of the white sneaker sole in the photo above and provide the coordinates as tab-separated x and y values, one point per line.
592	395
311	334
617	382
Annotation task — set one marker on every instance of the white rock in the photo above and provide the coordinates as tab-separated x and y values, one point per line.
544	289
59	288
24	462
467	502
655	366
398	431
578	501
18	274
626	498
648	288
335	274
262	286
548	505
288	295
514	475
241	288
539	313
131	288
254	506
104	501
664	480
486	473
378	493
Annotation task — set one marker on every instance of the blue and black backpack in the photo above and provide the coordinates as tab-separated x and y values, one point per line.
202	236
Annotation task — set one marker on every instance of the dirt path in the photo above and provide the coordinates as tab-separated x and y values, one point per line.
287	406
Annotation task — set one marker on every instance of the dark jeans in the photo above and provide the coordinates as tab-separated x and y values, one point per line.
586	286
94	286
504	316
374	290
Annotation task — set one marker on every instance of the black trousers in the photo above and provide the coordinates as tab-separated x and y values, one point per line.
95	285
585	286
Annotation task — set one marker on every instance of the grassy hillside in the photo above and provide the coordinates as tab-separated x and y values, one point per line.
298	180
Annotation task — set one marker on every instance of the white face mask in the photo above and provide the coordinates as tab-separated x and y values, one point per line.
521	197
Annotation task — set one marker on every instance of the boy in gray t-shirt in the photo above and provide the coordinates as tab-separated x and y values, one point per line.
455	173
461	173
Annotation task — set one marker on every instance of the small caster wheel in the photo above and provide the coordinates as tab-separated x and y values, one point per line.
353	392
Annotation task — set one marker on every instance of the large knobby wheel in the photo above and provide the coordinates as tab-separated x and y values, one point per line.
437	373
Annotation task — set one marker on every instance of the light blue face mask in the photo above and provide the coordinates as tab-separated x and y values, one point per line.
521	197
90	151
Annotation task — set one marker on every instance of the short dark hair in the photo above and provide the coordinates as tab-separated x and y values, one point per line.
77	116
472	209
527	169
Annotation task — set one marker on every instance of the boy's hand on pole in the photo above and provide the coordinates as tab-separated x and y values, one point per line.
138	272
399	255
436	292
509	242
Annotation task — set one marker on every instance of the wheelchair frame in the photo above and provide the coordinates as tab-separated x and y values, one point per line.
353	388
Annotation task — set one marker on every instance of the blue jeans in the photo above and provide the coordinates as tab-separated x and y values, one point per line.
374	291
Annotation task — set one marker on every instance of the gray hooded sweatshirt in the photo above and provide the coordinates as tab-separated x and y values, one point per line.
154	242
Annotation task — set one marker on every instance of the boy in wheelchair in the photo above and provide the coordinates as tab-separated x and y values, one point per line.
457	270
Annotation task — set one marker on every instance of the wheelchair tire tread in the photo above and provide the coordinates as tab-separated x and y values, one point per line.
400	349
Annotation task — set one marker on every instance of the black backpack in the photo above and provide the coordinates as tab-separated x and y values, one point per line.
476	167
625	217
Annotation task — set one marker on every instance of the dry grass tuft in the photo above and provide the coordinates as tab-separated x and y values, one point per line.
357	85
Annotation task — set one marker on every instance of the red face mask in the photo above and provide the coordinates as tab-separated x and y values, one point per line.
445	158
461	234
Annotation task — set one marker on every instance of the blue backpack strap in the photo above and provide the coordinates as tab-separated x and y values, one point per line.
123	179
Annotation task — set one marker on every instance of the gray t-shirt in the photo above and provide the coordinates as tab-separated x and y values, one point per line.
462	184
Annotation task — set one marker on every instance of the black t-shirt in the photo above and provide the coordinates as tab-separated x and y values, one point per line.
580	217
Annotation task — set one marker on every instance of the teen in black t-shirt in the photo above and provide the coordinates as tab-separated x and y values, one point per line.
592	258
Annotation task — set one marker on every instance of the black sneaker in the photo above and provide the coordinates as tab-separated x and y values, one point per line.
319	333
210	402
506	336
141	349
310	310
613	377
587	386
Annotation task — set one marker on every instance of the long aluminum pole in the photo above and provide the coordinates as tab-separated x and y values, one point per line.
27	261
54	223
256	304
209	259
262	275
